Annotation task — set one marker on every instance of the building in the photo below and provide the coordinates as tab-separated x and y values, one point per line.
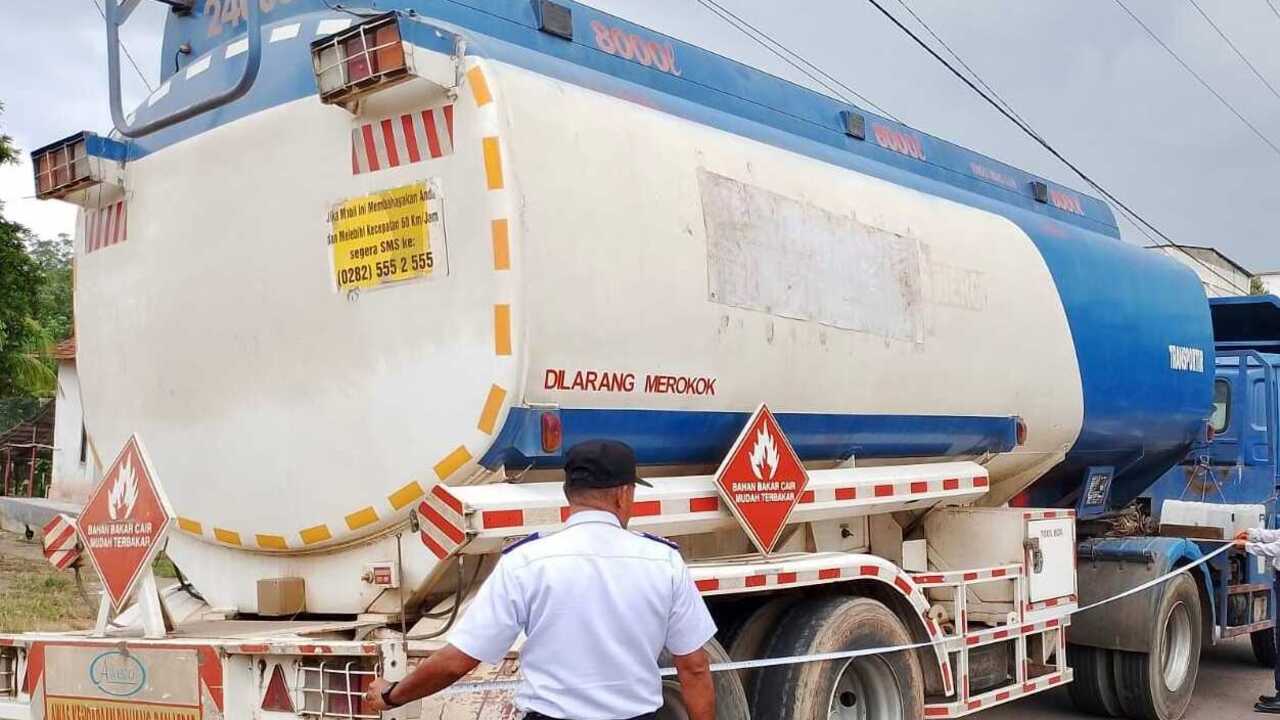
1270	281
1220	275
72	476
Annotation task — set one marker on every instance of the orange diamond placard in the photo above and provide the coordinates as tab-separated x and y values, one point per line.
124	523
762	479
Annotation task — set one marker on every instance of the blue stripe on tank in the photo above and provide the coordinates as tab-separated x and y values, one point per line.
681	437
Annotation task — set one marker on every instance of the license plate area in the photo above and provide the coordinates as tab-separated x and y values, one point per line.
138	682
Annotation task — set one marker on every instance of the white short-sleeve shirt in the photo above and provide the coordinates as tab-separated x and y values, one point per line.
598	604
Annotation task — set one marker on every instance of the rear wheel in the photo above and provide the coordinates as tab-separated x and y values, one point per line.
752	637
731	701
1158	685
1094	689
1264	646
875	687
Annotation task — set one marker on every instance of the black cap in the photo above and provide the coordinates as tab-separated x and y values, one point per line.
601	464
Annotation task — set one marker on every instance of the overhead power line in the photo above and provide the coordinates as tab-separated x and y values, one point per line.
127	54
1198	78
792	58
1233	47
1274	11
1026	128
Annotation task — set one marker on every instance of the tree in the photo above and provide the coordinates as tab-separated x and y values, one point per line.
1256	287
35	310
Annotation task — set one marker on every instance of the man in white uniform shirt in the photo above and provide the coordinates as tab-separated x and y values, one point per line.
597	603
1266	543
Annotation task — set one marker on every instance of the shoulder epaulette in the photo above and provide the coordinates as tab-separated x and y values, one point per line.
521	541
658	538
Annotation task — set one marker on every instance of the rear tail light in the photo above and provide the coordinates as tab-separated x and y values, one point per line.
1021	431
552	432
359	60
277	697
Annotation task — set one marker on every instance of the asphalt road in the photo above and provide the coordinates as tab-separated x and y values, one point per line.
1228	685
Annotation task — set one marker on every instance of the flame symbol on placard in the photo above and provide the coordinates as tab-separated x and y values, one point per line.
123	493
764	455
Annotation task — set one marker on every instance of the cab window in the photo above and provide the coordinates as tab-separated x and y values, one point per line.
1221	416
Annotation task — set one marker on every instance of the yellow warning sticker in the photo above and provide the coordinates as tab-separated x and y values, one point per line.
382	238
58	708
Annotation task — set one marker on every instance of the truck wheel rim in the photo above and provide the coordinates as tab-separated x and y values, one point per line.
867	689
1175	650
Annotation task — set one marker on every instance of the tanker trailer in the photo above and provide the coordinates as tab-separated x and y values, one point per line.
358	278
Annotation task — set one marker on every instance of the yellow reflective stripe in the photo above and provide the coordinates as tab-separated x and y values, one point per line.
502	329
492	404
451	462
190	526
360	518
492	163
230	537
501	245
271	542
315	534
405	495
479	86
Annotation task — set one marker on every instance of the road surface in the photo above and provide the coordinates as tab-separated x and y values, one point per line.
1228	685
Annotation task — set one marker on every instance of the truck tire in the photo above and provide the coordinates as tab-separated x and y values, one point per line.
752	636
1157	685
1094	688
873	687
1264	647
731	701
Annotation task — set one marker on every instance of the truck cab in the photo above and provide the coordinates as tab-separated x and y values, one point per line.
1226	482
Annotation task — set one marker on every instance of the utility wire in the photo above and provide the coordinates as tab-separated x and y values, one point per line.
127	54
813	72
1026	128
1197	76
1274	11
960	60
1233	47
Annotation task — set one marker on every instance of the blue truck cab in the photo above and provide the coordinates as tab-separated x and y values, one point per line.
1233	464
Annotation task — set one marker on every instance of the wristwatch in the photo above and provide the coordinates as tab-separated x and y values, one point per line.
386	695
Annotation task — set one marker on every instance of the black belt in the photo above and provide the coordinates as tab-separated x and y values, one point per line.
535	715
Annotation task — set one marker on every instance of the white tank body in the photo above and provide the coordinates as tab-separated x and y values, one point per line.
295	426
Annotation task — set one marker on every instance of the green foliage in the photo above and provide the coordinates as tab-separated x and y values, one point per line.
35	311
1256	287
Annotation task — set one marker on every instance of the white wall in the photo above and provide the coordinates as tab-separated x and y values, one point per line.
1271	281
1219	279
71	477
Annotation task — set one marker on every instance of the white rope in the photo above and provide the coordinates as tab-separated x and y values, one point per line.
500	685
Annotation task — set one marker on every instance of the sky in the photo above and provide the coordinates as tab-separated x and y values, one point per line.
1084	74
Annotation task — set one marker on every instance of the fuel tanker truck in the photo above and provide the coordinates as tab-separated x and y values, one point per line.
357	276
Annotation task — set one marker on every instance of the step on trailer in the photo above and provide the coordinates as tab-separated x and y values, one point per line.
358	277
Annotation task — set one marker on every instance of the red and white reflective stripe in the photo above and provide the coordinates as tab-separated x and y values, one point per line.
402	139
105	226
497	519
997	697
1052	602
276	647
61	546
986	637
960	577
1048	514
442	523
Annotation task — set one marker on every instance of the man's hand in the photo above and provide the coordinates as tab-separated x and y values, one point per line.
694	673
1241	538
373	696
